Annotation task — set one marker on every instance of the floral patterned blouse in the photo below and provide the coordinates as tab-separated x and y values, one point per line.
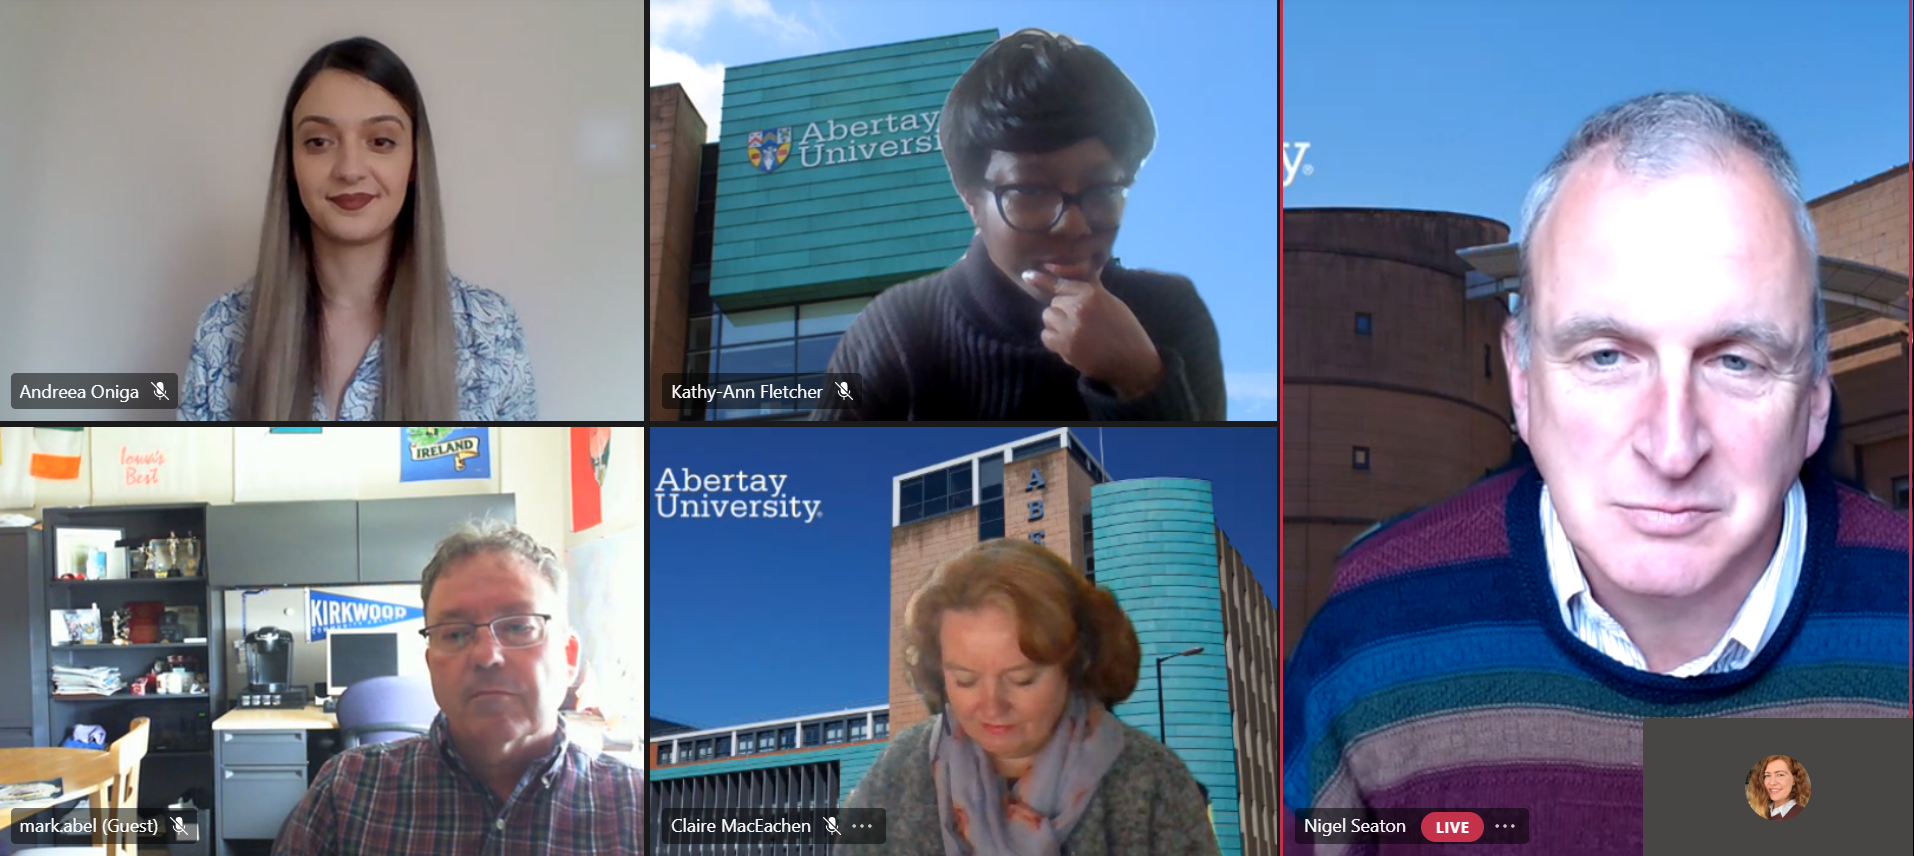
494	373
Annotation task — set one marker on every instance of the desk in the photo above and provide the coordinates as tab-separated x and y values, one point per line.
309	718
85	773
261	760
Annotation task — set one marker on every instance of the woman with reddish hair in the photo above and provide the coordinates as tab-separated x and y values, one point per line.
1020	658
1778	788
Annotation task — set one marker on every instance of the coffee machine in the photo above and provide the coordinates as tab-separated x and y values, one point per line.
269	671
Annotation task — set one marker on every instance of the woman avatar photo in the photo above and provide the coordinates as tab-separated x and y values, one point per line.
1778	788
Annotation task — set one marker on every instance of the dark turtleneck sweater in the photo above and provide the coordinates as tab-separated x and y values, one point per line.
965	344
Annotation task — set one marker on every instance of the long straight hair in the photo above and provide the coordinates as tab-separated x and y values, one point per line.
280	361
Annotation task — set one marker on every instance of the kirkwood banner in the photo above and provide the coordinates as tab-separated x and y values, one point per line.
833	142
1293	154
326	612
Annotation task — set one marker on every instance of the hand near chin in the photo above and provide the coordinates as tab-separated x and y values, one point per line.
1096	333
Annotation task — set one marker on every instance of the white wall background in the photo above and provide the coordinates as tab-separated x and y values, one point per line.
137	139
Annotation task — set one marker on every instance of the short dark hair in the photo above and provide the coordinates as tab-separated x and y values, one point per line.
1036	91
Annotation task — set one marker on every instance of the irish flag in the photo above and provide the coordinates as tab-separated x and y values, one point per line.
56	452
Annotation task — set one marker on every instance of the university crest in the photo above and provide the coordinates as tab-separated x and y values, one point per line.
768	148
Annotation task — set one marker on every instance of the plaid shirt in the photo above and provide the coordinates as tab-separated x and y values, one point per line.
416	796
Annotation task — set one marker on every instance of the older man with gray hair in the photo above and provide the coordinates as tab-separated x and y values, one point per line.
1667	554
496	774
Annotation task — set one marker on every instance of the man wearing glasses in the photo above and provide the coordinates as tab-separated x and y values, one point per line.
496	774
1043	136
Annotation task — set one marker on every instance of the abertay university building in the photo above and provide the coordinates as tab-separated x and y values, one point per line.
827	186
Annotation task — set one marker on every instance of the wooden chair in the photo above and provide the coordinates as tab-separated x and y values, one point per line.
122	793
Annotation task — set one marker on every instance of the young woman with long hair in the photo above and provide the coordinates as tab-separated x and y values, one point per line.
353	312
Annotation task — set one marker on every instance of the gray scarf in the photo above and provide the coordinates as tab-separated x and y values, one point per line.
1035	817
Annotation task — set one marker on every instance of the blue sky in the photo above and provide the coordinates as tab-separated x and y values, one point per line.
1204	65
756	619
1456	106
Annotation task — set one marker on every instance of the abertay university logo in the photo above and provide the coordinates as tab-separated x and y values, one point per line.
684	493
833	142
1293	162
768	148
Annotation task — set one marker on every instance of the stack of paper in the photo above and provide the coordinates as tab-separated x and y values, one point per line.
98	680
27	792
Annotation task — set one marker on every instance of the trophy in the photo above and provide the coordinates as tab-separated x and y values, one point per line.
186	554
163	561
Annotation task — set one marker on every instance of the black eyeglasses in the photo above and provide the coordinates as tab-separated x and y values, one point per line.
511	631
1039	208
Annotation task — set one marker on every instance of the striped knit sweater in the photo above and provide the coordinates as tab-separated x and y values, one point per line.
1439	673
964	344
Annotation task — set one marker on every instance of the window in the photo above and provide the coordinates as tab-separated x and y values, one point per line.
1089	539
746	744
779	344
767	741
882	725
990	499
960	486
699	338
811	734
758	325
723	747
1900	493
1089	464
1363	324
834	732
831	316
787	738
1027	450
1359	458
857	729
704	748
934	493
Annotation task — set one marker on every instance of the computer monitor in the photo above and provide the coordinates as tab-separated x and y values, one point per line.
353	657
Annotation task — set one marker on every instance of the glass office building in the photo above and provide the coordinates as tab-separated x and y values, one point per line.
827	186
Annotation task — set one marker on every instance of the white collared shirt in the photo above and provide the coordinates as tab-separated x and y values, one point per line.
1752	627
1774	810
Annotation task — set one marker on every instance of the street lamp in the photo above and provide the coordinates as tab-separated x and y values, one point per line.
1162	730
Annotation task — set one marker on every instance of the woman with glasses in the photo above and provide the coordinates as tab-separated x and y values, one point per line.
1043	136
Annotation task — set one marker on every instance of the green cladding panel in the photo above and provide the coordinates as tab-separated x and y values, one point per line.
1155	549
831	180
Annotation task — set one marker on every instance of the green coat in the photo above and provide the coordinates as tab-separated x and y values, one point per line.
1147	804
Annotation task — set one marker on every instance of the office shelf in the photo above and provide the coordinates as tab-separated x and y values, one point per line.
128	647
80	584
123	695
